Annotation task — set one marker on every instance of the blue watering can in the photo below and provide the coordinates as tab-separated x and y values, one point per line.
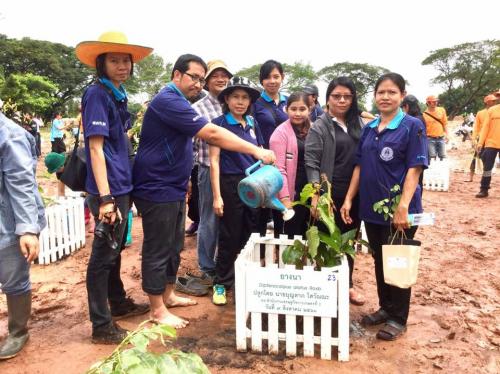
260	187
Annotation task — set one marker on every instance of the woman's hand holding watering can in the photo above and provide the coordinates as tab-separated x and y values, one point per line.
268	157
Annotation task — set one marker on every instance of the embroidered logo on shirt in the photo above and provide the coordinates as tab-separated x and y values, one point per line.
387	154
252	134
98	123
197	118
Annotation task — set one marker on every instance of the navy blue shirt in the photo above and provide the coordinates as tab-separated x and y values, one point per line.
103	116
165	155
385	158
316	112
235	162
269	115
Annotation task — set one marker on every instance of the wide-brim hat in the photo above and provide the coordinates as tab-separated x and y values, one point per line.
110	42
214	65
242	83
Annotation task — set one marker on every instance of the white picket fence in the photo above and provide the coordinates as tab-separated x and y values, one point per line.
65	230
250	259
437	176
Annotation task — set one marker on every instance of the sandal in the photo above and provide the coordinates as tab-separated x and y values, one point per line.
391	331
380	316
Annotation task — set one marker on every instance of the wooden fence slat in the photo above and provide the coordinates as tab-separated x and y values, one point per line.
291	329
272	329
240	300
52	234
308	329
343	311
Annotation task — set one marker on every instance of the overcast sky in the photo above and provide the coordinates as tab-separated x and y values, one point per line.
393	34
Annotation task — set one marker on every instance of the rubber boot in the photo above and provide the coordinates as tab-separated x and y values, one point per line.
19	310
130	218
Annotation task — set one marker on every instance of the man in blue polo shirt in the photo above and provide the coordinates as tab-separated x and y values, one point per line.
57	134
161	172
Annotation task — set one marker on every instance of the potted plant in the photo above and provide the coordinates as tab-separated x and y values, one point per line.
325	244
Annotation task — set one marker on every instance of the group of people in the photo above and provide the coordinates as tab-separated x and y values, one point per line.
233	125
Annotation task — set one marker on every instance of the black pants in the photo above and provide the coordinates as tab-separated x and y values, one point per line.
265	214
193	210
163	230
235	227
58	145
356	224
298	224
103	271
394	300
488	156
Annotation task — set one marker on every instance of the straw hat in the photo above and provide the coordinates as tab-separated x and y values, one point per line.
111	41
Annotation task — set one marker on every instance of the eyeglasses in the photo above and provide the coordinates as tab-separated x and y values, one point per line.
197	79
338	97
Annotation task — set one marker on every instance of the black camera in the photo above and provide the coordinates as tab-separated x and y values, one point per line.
106	231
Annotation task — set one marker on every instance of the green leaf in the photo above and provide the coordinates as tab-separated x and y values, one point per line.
293	253
349	235
324	213
332	241
140	341
312	241
385	209
306	193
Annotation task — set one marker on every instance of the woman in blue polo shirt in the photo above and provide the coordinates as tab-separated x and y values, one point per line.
227	169
109	181
269	110
392	150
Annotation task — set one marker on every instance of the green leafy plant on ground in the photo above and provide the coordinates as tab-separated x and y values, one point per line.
139	360
325	244
388	206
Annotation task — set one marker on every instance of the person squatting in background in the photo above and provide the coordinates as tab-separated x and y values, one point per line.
392	151
330	150
227	168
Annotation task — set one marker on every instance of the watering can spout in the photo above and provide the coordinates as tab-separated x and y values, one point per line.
278	205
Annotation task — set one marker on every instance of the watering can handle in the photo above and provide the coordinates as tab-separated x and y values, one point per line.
250	169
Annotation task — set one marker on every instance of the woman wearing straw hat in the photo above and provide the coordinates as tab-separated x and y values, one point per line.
109	182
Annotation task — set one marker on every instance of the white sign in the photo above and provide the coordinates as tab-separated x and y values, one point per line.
290	291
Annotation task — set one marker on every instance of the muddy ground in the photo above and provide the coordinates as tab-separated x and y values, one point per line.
454	323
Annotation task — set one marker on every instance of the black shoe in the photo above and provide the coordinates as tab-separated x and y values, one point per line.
128	308
109	334
482	193
205	279
192	229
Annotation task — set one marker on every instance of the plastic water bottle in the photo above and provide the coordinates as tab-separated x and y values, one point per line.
421	219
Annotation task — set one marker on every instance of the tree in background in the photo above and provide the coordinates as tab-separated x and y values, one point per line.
468	72
31	93
363	75
54	61
297	75
150	75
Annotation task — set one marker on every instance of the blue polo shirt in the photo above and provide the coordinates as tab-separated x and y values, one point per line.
165	155
385	158
269	115
316	112
103	116
235	162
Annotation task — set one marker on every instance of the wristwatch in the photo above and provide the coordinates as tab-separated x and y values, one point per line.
105	199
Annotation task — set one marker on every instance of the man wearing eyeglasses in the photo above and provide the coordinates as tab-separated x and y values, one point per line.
160	176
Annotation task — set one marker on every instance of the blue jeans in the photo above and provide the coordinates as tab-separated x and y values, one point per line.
437	147
14	271
208	227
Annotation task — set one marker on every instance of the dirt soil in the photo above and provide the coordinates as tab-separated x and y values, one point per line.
454	323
